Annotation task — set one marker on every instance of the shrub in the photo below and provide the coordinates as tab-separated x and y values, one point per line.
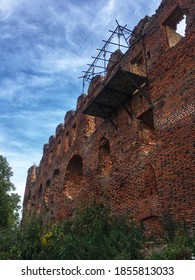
178	243
93	234
21	243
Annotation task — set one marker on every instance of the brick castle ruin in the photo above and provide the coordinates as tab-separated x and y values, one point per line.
130	142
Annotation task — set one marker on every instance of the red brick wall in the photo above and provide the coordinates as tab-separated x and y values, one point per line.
146	164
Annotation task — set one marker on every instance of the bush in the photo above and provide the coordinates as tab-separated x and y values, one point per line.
178	243
93	234
21	243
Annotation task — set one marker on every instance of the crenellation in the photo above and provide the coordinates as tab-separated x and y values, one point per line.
45	147
138	157
95	85
69	115
59	129
114	59
51	140
32	174
81	101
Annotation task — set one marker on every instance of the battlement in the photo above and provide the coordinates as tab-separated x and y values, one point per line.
128	144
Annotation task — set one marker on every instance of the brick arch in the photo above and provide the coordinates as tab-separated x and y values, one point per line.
104	157
29	195
40	189
56	172
74	167
150	187
152	225
73	177
48	183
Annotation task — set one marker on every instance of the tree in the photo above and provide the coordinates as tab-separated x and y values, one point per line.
9	201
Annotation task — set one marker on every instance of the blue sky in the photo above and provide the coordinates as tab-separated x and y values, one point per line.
44	47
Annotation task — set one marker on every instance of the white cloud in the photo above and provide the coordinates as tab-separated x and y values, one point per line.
106	13
9	88
7	7
57	61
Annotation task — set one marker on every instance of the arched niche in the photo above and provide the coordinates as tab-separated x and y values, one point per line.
56	172
104	157
152	225
150	187
40	189
48	183
74	177
29	195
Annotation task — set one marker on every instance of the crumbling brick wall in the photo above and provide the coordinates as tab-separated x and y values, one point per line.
145	164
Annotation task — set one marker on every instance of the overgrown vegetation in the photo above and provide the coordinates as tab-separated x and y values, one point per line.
177	244
93	234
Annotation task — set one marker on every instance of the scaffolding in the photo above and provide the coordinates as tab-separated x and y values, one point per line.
118	40
116	90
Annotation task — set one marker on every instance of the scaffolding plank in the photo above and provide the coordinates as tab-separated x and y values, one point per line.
123	84
126	82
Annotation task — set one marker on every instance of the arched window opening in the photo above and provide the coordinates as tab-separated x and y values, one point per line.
33	199
40	189
50	157
138	59
48	183
150	182
137	63
66	141
58	148
175	26
105	162
74	177
56	172
74	168
29	195
148	55
74	132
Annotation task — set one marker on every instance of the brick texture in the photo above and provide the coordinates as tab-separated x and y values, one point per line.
145	163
